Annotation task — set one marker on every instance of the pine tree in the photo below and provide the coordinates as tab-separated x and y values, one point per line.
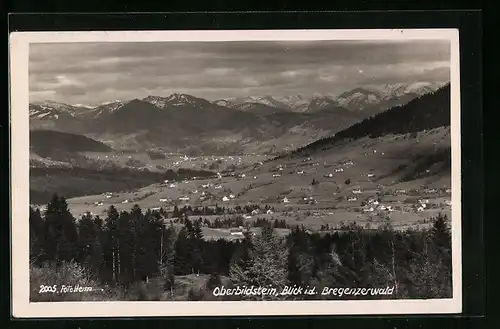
196	246
111	242
267	262
87	234
300	260
182	264
60	231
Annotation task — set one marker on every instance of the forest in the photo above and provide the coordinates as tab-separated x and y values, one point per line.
140	255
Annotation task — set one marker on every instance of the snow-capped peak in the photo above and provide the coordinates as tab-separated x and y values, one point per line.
84	106
176	99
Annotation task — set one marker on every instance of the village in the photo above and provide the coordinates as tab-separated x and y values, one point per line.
318	193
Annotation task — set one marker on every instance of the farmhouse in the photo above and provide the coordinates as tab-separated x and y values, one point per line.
269	212
184	198
352	199
225	199
247	217
162	200
300	172
276	175
370	175
218	187
358	191
231	196
172	185
255	212
125	201
285	200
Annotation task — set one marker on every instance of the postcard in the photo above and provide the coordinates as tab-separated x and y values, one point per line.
226	173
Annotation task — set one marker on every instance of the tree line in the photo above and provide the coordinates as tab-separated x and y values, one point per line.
126	248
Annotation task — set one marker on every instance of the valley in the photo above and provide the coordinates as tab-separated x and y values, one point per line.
347	169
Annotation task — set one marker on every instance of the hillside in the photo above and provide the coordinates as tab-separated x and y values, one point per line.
424	113
46	142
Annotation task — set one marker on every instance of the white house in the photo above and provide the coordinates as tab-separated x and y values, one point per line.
269	212
236	231
225	199
243	176
276	175
370	175
163	200
352	199
255	212
218	187
358	191
300	172
247	217
231	196
448	202
125	201
184	198
172	185
419	209
195	192
285	200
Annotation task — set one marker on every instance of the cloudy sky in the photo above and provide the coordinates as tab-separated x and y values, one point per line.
92	73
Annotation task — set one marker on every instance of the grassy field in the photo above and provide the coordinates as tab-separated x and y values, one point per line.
374	168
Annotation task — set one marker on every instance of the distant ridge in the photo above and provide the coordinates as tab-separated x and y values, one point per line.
425	112
48	141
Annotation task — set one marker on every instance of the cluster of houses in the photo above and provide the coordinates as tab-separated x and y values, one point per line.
374	205
421	205
309	200
227	198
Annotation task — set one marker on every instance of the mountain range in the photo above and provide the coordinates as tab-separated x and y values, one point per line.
258	124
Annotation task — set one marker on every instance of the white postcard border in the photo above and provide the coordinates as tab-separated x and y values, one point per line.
19	143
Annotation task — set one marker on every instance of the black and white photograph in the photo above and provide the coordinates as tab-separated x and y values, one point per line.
234	172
